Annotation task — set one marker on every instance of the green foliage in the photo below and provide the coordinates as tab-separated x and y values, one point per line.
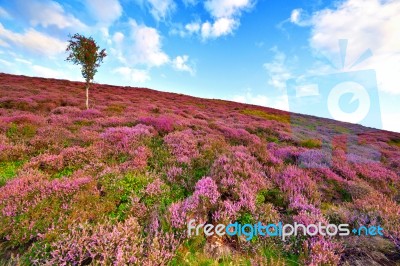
85	52
83	123
20	132
345	195
283	118
38	251
67	171
115	109
311	143
246	218
395	142
36	220
160	154
266	133
274	253
274	196
8	170
131	184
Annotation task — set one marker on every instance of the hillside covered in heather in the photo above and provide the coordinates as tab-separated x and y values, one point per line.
116	184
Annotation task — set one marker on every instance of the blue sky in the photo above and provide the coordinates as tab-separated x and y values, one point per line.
240	50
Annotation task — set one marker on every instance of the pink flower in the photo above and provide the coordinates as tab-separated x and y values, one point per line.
183	145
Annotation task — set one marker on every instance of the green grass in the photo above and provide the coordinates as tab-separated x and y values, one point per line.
395	142
115	109
283	118
131	184
191	252
8	170
20	132
311	143
344	194
160	154
80	123
67	171
266	133
274	196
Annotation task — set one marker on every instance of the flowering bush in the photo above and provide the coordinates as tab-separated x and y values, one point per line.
163	124
116	184
183	145
322	252
117	244
126	140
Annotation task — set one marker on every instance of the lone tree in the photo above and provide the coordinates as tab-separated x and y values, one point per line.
85	52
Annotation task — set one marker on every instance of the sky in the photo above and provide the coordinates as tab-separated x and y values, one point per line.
240	50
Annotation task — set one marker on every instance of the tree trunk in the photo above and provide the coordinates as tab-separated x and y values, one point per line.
87	95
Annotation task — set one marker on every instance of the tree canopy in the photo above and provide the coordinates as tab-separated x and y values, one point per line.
85	52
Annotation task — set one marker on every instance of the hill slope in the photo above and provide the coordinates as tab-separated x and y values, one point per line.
119	182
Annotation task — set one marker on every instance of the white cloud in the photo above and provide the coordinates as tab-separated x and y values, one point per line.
295	15
193	27
132	74
227	8
278	102
49	13
225	16
160	9
143	49
299	18
221	27
6	63
4	14
180	63
24	61
105	11
47	72
366	24
277	70
118	37
33	41
146	48
391	121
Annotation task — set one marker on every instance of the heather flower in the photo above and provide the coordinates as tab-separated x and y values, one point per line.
173	172
50	162
163	124
299	187
315	158
177	214
376	208
207	188
124	139
239	177
24	119
90	114
70	110
27	190
239	135
286	153
183	145
118	244
65	169
320	174
75	156
113	121
51	138
204	197
323	252
154	188
138	160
